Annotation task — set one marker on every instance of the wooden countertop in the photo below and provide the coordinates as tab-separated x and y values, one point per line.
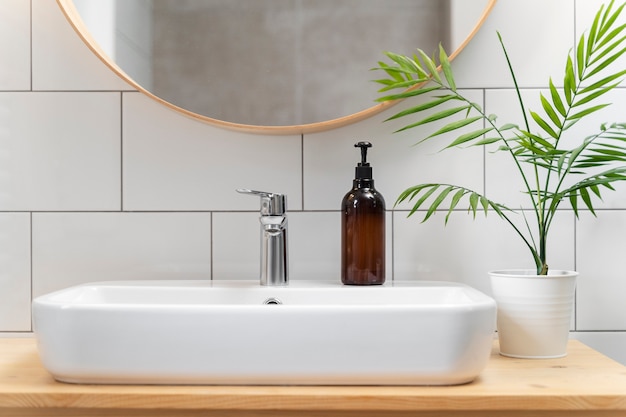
585	383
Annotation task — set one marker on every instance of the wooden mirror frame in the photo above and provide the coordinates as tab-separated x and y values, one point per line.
72	15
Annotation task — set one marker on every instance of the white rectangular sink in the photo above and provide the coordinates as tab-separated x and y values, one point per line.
223	332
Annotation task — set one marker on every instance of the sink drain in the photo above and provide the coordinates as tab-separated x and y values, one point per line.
272	300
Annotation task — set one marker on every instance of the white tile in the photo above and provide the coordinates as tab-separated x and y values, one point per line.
173	162
61	60
601	244
591	126
503	180
15	44
611	344
465	250
585	13
14	272
525	26
316	246
330	158
504	183
74	248
313	244
60	151
236	246
314	240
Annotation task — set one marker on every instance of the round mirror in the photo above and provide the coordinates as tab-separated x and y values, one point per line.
276	66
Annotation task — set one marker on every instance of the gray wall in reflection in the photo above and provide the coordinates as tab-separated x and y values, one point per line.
307	61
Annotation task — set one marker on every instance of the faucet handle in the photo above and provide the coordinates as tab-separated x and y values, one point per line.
272	204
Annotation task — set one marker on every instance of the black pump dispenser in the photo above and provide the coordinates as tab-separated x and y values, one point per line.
363	228
363	170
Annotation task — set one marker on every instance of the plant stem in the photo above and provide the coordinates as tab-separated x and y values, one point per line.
541	266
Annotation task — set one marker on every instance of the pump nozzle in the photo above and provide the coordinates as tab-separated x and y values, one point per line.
363	169
363	146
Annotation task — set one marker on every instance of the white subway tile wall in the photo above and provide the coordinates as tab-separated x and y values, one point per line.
15	45
60	60
78	247
15	283
99	182
182	164
62	151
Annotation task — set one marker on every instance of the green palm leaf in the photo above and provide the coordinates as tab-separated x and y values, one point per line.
447	70
432	118
455	126
545	158
556	99
469	137
407	94
425	106
547	107
430	64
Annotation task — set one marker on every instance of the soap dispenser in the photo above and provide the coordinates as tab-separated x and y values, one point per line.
363	228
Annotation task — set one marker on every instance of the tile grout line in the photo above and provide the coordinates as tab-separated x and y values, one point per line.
30	12
575	269
393	252
211	247
31	44
575	222
31	267
121	151
302	171
33	90
459	210
484	147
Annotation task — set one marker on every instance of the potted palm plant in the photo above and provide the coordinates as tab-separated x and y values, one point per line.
554	163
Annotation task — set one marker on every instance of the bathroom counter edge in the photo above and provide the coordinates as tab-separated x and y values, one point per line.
585	383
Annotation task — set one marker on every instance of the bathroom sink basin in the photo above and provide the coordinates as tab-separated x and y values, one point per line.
238	332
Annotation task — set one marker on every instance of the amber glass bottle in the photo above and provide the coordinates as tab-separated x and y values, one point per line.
363	228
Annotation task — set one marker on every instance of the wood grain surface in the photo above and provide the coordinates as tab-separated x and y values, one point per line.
585	383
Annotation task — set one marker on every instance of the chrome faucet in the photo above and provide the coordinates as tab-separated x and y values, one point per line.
274	259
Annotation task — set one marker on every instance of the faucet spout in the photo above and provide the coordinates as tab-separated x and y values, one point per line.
274	253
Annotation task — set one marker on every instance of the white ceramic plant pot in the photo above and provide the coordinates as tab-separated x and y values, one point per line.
534	312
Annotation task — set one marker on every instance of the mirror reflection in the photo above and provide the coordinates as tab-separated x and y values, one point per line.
270	62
